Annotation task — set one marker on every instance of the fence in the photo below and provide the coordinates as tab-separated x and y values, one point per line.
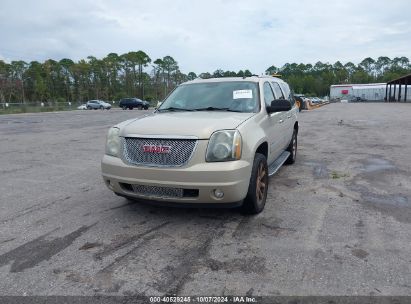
10	108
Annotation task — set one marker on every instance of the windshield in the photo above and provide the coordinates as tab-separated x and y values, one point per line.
237	96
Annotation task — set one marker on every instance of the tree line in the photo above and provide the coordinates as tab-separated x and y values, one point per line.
315	80
134	74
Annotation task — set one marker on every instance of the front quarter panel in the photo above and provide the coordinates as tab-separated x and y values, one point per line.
253	135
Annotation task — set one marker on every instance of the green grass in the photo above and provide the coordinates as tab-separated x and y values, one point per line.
336	175
18	109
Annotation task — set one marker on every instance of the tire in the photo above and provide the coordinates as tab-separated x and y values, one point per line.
292	148
256	197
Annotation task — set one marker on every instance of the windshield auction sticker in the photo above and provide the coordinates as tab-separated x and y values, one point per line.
238	94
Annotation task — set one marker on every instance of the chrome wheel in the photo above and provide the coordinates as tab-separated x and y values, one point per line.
261	184
295	146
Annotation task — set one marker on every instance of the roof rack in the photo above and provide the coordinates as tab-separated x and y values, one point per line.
276	75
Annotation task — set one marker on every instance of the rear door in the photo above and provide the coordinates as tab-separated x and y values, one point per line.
291	116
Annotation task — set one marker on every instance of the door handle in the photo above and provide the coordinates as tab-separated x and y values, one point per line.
280	121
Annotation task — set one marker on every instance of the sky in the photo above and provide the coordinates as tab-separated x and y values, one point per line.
203	36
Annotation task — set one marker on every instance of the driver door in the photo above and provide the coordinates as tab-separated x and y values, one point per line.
272	125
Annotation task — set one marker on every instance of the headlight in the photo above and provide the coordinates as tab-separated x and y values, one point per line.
113	142
224	145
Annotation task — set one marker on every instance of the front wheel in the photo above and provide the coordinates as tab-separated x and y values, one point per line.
254	202
292	148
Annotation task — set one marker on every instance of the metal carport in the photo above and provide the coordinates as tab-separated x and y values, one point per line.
390	94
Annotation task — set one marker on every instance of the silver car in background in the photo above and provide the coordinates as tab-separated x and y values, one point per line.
98	104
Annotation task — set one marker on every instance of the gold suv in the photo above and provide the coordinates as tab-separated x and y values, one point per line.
212	141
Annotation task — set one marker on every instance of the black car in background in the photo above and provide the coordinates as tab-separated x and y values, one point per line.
131	103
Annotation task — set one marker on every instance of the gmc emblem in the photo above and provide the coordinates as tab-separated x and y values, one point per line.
156	149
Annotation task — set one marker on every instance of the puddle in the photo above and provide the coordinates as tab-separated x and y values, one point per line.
397	205
377	164
320	169
394	200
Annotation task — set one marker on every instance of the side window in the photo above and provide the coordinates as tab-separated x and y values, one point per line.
288	93
292	98
277	90
268	94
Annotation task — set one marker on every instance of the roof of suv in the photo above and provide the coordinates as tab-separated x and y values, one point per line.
229	79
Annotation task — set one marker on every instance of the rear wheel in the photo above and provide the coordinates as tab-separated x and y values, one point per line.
256	197
292	148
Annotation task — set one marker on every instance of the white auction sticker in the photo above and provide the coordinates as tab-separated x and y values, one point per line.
242	94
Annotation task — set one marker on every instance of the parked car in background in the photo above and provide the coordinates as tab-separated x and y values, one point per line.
131	103
299	101
98	104
82	107
358	99
315	100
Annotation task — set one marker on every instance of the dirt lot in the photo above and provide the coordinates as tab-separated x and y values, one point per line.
338	222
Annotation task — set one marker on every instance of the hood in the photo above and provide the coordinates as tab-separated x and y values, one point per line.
200	124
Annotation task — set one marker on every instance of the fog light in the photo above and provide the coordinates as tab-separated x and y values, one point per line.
218	193
109	184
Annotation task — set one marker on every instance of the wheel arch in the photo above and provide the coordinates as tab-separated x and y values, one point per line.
296	126
262	149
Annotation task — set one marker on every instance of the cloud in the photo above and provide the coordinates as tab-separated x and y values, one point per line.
207	35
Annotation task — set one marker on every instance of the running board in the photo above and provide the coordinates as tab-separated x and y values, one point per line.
275	165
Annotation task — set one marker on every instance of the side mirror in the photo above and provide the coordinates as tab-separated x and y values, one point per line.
279	105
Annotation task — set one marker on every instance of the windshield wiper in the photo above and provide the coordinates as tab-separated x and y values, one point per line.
215	109
172	109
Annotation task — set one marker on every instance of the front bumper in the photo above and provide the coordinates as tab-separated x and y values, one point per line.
231	177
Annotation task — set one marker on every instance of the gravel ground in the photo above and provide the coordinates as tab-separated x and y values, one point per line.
337	222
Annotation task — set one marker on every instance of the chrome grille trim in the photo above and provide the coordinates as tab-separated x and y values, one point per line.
181	151
163	192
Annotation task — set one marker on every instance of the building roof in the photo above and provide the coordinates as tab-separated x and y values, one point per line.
402	80
358	85
376	86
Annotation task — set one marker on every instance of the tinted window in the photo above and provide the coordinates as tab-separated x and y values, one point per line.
277	90
268	94
287	93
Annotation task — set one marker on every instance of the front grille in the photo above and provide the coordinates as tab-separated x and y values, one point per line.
180	151
158	191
